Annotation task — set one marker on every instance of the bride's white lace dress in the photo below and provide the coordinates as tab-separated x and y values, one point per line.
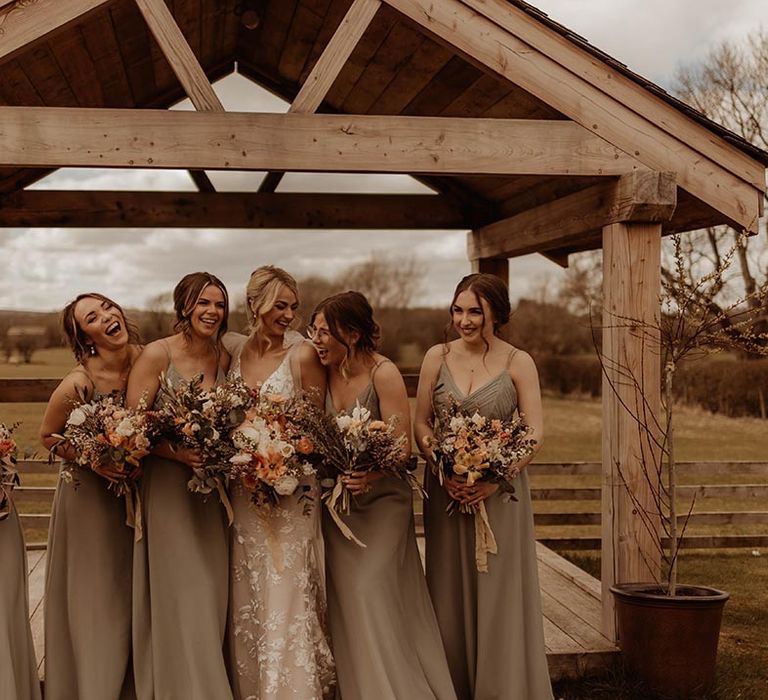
278	644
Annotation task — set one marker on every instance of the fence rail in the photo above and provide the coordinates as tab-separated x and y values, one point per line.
39	390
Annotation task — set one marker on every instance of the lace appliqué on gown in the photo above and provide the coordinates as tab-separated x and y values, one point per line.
280	647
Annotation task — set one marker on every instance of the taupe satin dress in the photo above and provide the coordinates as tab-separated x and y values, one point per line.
180	586
491	622
18	667
88	593
384	634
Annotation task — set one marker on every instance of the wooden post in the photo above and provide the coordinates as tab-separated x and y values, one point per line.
631	286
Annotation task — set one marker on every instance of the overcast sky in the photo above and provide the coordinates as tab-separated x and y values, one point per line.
43	268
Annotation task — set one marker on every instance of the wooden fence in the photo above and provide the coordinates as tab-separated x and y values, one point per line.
588	497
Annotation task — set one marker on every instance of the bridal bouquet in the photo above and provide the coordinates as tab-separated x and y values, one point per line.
9	477
476	448
110	440
273	454
353	442
202	419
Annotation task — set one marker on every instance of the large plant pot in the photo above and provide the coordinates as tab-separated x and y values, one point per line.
671	643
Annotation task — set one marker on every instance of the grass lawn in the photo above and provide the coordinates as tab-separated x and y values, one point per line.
573	433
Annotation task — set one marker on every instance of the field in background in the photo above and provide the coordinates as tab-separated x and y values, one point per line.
573	433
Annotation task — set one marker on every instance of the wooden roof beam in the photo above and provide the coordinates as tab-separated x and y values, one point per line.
49	137
328	67
644	196
103	209
185	65
24	22
488	43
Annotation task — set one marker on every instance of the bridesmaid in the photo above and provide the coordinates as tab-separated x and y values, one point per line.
278	643
90	548
18	680
180	565
491	622
383	629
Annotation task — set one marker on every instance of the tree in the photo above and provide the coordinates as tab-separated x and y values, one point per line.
730	86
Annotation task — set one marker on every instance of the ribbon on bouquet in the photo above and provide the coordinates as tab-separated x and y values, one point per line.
224	497
133	517
5	500
332	502
485	542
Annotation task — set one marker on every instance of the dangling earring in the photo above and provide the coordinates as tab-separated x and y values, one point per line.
91	349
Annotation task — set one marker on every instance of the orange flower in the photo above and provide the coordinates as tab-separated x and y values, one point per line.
305	446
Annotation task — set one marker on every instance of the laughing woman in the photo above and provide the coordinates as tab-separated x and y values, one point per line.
180	565
383	629
491	622
90	548
18	681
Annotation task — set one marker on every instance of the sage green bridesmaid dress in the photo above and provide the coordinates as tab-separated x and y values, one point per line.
180	586
384	635
18	668
88	593
491	622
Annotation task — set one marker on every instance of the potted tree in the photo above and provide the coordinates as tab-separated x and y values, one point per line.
668	631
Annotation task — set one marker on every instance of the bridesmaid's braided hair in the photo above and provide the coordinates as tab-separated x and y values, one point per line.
76	338
186	295
351	312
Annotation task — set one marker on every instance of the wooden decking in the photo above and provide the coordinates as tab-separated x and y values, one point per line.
570	600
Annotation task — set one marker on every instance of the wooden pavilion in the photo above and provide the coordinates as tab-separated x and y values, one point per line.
531	138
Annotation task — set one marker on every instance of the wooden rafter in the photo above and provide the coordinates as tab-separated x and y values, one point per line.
185	65
638	196
490	44
102	209
41	137
328	67
21	23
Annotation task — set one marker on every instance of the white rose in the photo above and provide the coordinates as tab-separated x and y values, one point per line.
240	458
286	449
77	417
286	485
343	421
125	428
457	422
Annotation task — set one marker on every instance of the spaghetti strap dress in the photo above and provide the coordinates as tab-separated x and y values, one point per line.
278	641
384	634
491	622
18	680
88	593
179	585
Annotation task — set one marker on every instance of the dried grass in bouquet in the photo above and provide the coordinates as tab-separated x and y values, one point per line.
203	419
475	448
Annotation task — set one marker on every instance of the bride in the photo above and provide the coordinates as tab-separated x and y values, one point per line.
279	648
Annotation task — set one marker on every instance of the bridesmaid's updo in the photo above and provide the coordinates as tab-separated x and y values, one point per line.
186	295
262	291
74	335
493	290
350	312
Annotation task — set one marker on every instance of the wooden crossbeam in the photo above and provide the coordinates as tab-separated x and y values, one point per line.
42	137
490	44
637	196
100	209
22	23
185	65
328	67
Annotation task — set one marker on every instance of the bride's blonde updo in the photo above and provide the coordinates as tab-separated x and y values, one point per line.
262	291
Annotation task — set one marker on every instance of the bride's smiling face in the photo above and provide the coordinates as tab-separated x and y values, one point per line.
102	323
208	314
282	314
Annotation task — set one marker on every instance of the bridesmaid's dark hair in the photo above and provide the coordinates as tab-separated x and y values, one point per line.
186	295
350	312
76	337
